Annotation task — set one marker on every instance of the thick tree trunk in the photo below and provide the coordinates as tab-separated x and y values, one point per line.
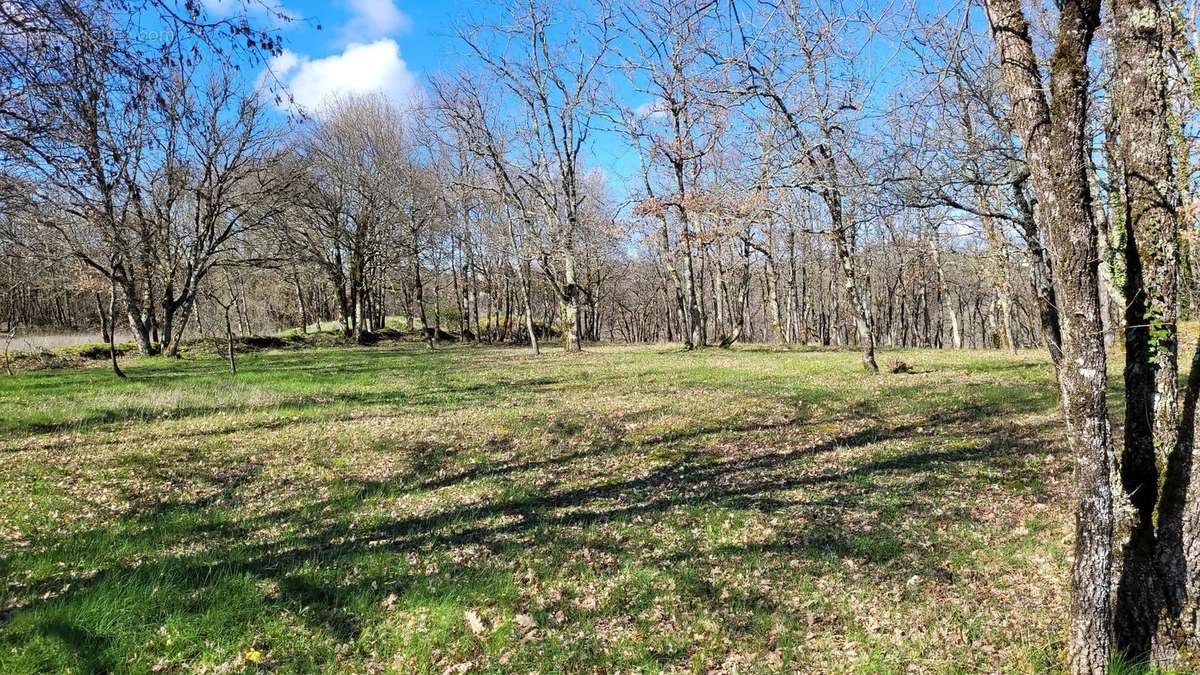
570	293
1054	137
569	313
176	315
1149	203
137	321
1000	273
1178	545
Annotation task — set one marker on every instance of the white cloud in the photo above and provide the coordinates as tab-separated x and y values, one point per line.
359	69
371	19
283	63
655	109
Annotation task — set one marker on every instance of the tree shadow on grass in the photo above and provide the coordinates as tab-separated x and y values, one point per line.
327	561
87	647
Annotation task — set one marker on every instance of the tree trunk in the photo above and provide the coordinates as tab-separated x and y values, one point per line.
1148	203
419	292
302	303
112	334
1054	136
935	251
1040	270
180	313
570	298
229	339
1000	272
859	309
104	318
137	321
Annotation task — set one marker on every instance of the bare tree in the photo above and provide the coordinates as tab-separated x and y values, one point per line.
669	58
552	73
215	181
801	64
347	199
464	106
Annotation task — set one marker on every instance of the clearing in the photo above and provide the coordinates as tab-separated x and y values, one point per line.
471	509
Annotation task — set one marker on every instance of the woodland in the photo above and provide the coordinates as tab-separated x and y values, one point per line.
640	336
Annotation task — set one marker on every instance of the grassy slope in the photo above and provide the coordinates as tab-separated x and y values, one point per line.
631	508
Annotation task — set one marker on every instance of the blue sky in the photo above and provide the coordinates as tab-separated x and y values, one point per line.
353	46
391	46
394	46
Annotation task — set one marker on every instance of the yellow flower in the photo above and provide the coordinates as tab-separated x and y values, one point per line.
253	655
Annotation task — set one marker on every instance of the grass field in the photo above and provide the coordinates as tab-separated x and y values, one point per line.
480	510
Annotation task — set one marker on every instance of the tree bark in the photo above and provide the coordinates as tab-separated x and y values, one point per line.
229	340
1041	273
1149	205
935	251
859	308
1054	136
112	334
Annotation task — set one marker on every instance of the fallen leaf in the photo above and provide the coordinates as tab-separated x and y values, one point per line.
475	622
525	622
389	602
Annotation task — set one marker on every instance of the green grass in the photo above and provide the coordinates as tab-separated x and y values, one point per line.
628	509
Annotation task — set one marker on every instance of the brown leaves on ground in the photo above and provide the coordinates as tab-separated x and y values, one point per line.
475	622
732	511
